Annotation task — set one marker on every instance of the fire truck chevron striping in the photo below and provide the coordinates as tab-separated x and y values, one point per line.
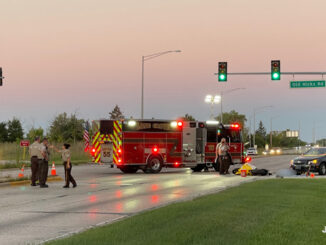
115	137
151	144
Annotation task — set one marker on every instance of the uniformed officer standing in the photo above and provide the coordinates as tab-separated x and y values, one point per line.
66	158
217	160
36	157
224	157
44	166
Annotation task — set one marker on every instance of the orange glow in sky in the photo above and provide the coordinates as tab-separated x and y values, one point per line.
84	56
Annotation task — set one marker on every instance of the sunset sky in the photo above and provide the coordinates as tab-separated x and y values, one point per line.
84	56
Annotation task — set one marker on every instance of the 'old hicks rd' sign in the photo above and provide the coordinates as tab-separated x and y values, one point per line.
307	84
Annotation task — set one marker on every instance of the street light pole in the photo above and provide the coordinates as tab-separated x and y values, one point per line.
212	100
227	92
145	58
142	87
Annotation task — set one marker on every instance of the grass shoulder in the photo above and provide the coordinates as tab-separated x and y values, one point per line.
277	211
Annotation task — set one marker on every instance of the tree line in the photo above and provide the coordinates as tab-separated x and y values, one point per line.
70	128
63	128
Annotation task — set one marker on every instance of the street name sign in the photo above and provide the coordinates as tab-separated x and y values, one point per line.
307	84
24	143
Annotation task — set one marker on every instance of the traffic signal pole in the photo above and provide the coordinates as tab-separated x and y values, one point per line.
1	77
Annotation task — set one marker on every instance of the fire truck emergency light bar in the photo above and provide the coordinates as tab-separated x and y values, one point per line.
211	122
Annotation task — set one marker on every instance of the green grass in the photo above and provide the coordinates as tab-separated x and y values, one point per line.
285	211
13	152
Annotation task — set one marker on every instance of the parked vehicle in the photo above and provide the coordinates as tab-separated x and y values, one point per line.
150	145
314	160
252	151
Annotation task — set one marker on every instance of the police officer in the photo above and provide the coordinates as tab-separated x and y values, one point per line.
224	157
44	166
66	158
36	157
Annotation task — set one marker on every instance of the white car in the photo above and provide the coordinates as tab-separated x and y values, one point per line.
252	151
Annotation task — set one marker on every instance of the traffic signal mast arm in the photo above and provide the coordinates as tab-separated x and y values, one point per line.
269	73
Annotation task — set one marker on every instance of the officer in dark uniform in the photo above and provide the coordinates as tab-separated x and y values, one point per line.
35	153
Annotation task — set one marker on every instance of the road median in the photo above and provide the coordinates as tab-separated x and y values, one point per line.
26	181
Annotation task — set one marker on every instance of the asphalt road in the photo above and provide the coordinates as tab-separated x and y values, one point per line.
31	215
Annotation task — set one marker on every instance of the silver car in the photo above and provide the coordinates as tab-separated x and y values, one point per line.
252	151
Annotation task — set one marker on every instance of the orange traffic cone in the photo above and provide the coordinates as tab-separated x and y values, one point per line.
53	171
21	174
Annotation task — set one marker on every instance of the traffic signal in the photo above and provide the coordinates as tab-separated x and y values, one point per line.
222	71
276	70
0	76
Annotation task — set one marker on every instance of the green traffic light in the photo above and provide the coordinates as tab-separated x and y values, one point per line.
222	77
276	76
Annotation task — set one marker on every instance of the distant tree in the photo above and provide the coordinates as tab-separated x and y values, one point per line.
66	128
3	132
232	117
188	117
261	129
33	132
116	113
260	136
15	130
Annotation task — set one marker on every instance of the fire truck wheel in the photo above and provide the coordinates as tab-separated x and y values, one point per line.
154	165
129	169
198	168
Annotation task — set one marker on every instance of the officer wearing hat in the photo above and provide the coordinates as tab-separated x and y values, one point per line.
36	158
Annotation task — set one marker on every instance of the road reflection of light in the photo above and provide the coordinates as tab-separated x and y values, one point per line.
118	194
172	183
118	176
131	191
92	198
93	213
132	205
94	185
119	207
118	182
178	193
155	199
23	188
154	187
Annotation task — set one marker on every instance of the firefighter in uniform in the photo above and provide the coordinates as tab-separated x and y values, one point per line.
44	168
66	158
36	157
224	157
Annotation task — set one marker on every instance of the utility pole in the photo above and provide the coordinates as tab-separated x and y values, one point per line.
271	134
314	133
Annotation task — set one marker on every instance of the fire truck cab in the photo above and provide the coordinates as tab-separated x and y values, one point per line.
150	145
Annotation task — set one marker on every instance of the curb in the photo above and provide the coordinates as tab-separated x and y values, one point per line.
26	182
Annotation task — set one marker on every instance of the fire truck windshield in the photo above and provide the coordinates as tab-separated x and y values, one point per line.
215	134
234	135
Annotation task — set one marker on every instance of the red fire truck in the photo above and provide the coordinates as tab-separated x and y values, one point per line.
149	145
